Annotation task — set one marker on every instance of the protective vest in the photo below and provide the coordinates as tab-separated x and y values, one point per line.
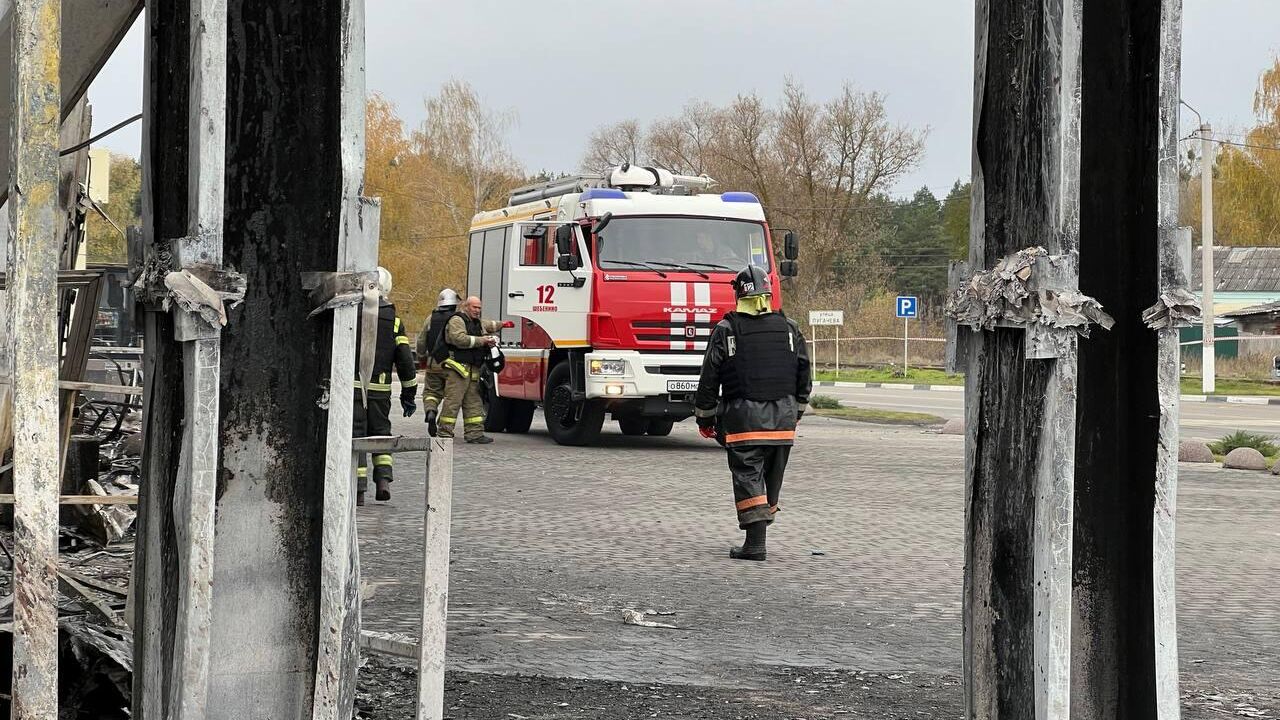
391	354
436	349
762	358
470	356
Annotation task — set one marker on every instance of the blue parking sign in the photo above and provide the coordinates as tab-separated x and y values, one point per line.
908	306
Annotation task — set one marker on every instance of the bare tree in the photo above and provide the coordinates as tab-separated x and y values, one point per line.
470	139
622	142
683	144
819	168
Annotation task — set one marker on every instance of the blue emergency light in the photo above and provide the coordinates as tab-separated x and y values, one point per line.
602	194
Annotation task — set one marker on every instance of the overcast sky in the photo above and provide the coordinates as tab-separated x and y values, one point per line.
569	67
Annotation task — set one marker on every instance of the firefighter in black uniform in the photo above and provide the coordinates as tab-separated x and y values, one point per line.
393	352
753	390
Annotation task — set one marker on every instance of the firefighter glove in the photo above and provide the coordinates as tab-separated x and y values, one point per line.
410	406
707	431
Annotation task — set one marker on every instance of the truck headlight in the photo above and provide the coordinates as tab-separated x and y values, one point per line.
608	367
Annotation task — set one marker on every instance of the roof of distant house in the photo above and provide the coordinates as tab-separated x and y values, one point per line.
1271	308
1241	269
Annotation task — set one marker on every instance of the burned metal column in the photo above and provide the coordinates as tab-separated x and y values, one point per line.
1072	435
1124	633
36	101
275	202
198	319
338	624
1020	313
183	276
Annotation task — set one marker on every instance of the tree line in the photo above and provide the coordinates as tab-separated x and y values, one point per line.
824	168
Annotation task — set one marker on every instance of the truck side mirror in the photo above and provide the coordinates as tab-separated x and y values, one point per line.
790	246
567	262
788	268
564	239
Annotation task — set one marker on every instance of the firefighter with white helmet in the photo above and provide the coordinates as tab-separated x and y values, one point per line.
373	417
753	389
429	345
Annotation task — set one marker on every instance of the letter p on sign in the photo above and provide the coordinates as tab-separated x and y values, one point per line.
908	306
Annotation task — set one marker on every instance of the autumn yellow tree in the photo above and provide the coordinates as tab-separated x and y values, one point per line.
432	181
106	238
1246	182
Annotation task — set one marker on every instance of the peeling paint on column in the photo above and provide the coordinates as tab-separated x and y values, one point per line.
33	278
1174	249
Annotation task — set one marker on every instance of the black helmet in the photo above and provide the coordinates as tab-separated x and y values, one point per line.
753	280
497	360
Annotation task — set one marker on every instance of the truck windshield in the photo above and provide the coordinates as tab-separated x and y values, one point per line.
709	245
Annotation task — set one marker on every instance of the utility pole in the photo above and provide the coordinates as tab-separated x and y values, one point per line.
1206	255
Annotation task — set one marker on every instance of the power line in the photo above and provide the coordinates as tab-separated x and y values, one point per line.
99	136
1219	141
1247	145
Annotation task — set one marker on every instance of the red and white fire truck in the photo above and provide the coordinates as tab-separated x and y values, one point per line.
613	283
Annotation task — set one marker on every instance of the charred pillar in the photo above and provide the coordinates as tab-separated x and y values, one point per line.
32	323
282	214
1124	640
1071	415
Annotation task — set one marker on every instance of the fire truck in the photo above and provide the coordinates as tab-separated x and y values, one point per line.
612	284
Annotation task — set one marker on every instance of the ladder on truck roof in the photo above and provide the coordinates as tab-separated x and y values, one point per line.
554	188
626	177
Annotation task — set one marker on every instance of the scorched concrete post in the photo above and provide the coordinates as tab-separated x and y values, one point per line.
282	211
1072	415
33	306
1021	291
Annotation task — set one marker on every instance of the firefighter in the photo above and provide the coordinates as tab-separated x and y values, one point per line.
435	352
468	339
374	417
753	389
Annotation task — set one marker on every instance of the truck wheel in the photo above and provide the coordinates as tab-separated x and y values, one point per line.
633	425
520	415
569	422
495	409
661	428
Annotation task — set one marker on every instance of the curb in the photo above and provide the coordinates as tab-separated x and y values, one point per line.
1235	400
1246	400
888	386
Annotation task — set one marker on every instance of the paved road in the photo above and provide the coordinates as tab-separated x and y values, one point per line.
550	544
1199	420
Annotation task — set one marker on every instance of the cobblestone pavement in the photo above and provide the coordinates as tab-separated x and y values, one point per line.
551	544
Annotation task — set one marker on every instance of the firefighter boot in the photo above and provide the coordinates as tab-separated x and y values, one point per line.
384	488
431	422
753	548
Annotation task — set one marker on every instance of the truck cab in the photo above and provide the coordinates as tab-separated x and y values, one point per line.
613	284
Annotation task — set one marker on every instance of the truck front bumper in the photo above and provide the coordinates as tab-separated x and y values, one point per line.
672	377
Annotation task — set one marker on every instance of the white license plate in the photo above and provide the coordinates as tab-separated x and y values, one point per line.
683	386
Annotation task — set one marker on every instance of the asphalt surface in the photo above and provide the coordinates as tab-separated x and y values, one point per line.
1200	420
550	545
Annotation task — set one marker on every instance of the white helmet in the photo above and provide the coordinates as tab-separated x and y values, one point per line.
448	298
384	281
